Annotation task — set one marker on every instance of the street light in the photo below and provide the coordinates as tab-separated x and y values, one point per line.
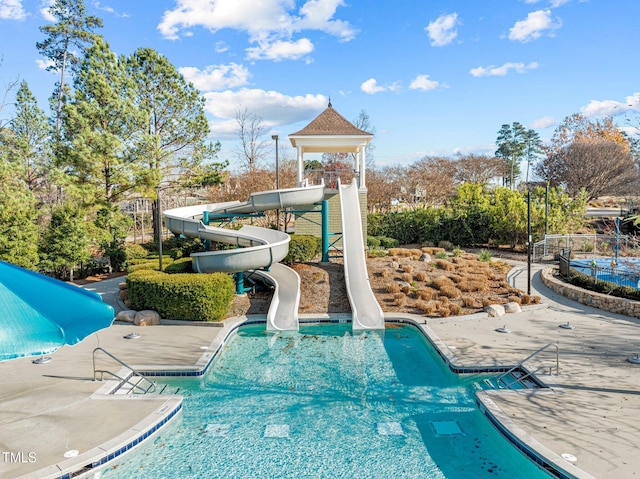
275	137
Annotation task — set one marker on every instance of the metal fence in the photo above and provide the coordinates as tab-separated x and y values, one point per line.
596	244
564	262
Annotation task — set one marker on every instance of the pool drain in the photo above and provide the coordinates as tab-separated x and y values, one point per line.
132	336
566	325
71	453
503	329
569	457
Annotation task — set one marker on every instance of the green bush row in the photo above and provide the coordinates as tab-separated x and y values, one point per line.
381	241
588	282
193	297
302	248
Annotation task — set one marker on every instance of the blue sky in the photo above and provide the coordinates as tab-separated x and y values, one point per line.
436	77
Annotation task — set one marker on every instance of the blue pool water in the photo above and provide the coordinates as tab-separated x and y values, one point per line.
625	273
324	403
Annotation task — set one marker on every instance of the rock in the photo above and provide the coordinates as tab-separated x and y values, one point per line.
425	257
148	317
395	264
495	310
124	294
512	307
402	284
122	285
128	316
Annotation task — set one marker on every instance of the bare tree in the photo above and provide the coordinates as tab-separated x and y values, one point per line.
250	132
594	155
600	167
431	179
479	168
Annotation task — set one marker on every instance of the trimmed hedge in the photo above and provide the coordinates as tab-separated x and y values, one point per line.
588	282
182	265
192	297
302	248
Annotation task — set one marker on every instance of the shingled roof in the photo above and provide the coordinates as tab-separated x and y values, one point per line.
330	122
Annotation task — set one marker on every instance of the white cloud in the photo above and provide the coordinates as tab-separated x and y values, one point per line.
273	107
422	82
371	86
12	10
221	47
45	63
442	30
216	77
542	123
44	10
503	70
270	24
534	26
603	108
280	50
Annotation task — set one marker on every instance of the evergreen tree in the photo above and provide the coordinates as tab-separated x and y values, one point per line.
511	147
26	143
65	242
66	41
18	214
173	148
100	124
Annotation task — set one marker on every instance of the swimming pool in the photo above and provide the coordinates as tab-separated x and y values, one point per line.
625	273
326	403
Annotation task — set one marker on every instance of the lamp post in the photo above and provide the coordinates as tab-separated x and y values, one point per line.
275	137
159	223
528	241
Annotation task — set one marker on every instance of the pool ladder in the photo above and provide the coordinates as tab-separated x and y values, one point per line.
133	382
519	378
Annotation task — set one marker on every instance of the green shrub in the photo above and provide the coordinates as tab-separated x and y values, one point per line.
182	265
588	282
148	263
484	255
387	242
302	248
373	242
193	297
135	252
441	255
457	252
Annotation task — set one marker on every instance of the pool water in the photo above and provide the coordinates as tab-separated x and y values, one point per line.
325	403
625	273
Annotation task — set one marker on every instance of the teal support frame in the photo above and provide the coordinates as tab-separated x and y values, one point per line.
205	220
325	231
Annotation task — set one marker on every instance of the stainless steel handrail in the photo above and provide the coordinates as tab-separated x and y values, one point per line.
519	365
152	385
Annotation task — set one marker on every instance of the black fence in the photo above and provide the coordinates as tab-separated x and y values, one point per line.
564	262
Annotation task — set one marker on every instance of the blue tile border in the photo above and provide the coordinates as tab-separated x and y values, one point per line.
108	457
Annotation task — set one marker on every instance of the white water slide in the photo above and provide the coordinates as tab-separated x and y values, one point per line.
259	249
366	312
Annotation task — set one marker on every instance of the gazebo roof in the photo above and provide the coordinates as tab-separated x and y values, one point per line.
330	132
330	122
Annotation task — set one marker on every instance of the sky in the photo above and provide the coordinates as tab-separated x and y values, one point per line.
435	77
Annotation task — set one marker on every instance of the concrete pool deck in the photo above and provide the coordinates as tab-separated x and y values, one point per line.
591	411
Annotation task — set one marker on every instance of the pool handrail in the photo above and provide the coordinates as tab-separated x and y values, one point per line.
123	381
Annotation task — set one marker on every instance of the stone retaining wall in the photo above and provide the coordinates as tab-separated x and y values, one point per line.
590	298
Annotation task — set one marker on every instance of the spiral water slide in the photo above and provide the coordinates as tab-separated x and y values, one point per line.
258	249
366	312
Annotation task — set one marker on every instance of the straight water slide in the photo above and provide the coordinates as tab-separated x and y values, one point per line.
366	312
259	249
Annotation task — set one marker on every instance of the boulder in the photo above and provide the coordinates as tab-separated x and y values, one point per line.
425	257
147	317
128	316
512	307
122	285
495	310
